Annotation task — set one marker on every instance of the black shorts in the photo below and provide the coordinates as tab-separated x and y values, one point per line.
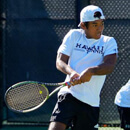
124	117
74	113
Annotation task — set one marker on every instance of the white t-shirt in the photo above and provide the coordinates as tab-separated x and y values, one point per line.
86	53
123	96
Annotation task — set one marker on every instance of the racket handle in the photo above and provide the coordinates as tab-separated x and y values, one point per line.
67	84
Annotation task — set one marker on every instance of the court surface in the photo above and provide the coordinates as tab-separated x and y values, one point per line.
45	128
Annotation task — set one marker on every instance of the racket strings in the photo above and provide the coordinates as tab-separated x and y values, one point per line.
26	96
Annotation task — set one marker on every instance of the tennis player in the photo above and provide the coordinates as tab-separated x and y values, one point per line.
122	100
86	57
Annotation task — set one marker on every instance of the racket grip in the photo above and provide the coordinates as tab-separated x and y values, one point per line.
67	84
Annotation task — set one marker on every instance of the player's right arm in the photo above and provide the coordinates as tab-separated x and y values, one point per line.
62	65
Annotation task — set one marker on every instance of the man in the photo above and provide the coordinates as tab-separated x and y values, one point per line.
86	56
122	100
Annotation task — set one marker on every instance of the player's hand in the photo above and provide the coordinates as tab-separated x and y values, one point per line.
74	79
85	76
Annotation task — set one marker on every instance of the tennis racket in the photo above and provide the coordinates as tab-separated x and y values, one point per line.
28	96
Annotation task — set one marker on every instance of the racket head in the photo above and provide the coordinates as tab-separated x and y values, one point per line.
26	96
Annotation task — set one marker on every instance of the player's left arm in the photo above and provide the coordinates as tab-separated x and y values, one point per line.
105	68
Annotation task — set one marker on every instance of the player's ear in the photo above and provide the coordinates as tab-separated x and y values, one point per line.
82	25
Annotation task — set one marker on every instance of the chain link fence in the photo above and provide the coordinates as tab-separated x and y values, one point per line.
33	32
117	24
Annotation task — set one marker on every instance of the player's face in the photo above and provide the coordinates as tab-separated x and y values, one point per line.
95	29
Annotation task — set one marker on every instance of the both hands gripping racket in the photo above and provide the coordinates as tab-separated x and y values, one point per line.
27	96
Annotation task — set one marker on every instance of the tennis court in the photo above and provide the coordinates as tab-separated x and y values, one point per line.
111	128
45	128
30	34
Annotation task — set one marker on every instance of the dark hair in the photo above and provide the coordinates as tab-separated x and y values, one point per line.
86	24
97	14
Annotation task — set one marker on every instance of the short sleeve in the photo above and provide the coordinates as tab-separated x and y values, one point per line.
111	47
68	42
